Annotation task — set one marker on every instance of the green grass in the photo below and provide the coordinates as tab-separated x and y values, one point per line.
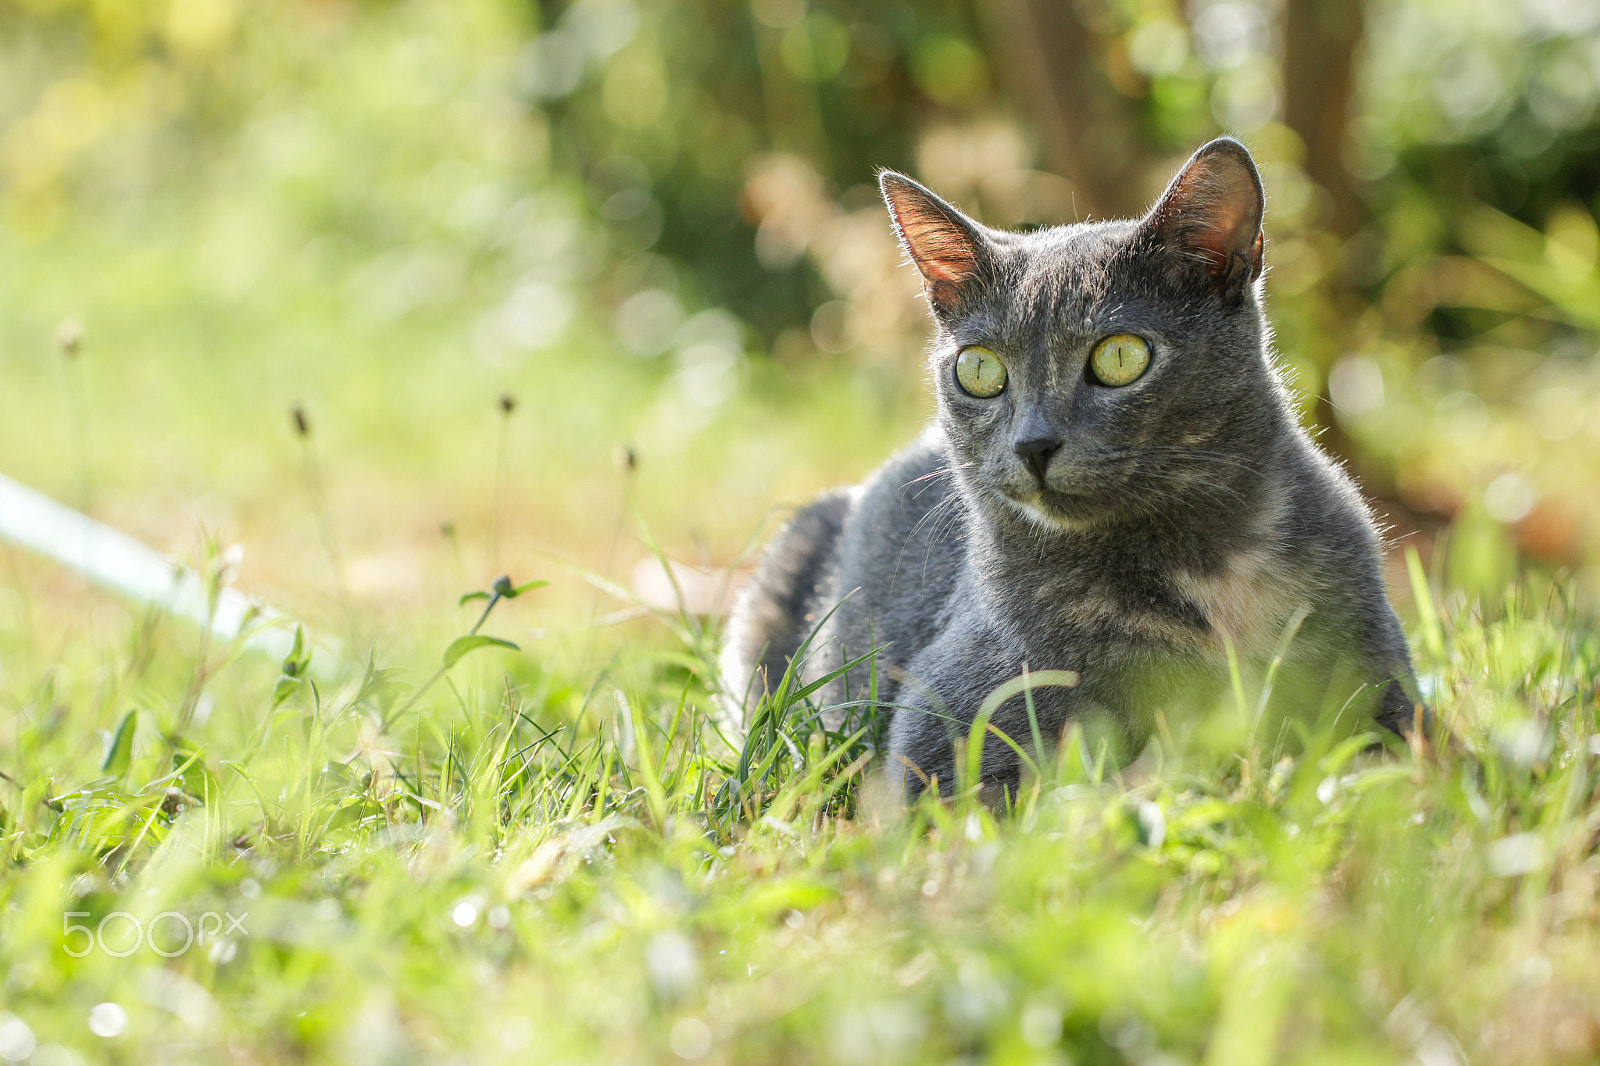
541	860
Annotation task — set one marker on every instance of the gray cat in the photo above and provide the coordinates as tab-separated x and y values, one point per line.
1116	498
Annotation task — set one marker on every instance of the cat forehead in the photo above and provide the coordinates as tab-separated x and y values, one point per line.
1064	271
1073	245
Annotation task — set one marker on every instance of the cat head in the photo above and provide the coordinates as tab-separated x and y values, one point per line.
1096	372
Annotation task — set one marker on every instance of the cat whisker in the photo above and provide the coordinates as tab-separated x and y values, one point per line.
1189	479
1219	458
944	471
946	523
948	501
943	514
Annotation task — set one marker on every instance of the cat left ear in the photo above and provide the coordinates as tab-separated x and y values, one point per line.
1211	214
943	243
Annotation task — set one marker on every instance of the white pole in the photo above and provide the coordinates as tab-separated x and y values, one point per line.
111	558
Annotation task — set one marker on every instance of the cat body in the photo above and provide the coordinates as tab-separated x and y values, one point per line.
1116	498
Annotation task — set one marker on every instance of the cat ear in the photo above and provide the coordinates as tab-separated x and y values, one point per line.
1211	214
944	244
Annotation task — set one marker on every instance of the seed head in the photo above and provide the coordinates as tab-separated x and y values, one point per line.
69	337
627	459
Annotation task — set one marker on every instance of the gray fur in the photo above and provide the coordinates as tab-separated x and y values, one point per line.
1180	515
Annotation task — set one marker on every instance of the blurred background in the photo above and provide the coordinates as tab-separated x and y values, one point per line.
526	269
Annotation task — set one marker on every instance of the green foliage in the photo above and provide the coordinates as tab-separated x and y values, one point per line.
294	667
461	645
119	753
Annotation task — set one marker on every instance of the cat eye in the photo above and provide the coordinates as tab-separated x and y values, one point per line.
980	372
1120	359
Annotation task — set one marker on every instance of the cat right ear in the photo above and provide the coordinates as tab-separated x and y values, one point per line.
944	244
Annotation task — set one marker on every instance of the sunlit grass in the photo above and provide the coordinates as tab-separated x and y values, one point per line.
573	863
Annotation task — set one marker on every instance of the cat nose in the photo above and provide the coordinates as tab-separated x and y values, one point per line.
1036	452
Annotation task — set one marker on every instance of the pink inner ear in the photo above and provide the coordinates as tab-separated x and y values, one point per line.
940	248
1213	210
1223	217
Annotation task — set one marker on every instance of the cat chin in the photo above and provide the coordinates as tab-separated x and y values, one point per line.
1040	512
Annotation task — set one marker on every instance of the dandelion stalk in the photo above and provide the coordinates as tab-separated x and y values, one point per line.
507	404
319	507
69	342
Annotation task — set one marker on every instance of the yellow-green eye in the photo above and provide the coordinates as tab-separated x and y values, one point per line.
980	372
1120	359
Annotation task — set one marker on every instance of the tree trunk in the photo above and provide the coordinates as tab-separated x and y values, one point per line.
1320	38
1054	68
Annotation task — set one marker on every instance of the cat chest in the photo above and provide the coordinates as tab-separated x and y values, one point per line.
1248	603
